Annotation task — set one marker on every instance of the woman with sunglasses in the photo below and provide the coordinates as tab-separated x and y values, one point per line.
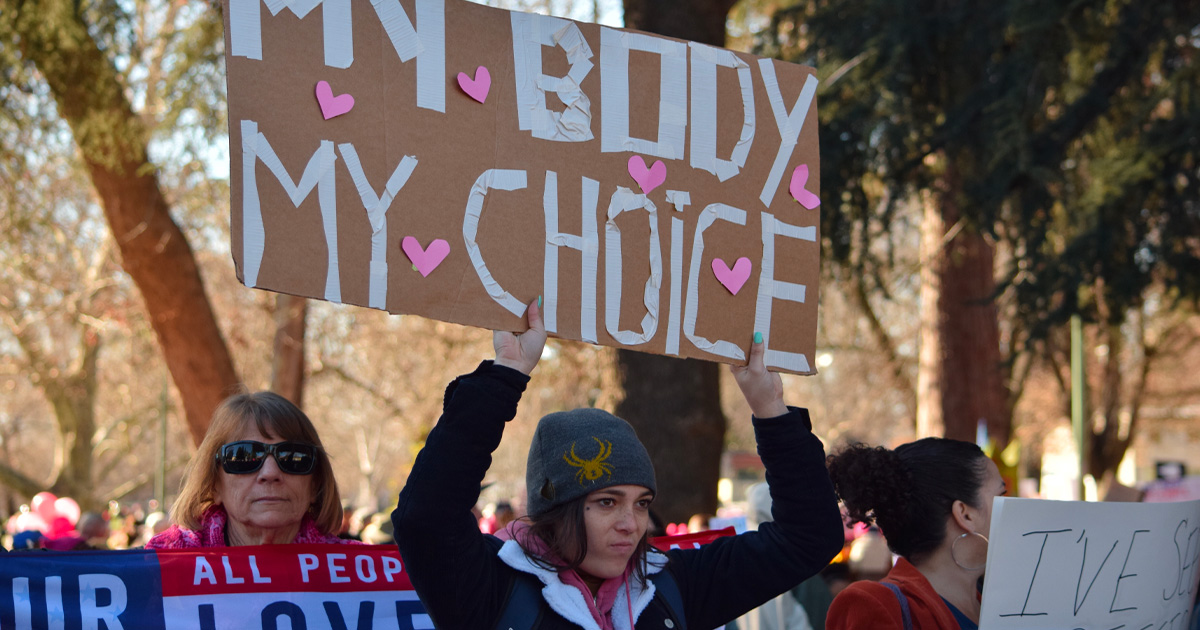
259	477
583	561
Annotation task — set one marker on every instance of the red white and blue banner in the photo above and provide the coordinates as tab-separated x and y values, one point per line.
293	587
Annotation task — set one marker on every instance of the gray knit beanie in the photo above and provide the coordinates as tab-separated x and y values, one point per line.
576	452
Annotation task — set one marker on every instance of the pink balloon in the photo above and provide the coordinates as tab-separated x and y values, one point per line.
59	527
67	507
43	506
30	521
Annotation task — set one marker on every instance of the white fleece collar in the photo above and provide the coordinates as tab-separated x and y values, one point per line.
569	602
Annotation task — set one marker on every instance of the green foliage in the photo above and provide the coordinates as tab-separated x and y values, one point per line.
1072	126
162	60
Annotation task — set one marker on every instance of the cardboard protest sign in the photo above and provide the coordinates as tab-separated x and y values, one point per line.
456	161
1069	564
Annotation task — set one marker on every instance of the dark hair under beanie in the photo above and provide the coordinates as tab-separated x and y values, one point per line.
580	451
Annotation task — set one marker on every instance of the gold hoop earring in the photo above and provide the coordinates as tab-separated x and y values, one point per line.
955	558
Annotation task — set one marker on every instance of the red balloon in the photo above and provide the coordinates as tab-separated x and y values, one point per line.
59	527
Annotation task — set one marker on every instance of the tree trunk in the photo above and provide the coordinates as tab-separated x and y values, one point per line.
74	402
964	338
1123	392
72	395
696	20
675	404
113	142
929	387
287	365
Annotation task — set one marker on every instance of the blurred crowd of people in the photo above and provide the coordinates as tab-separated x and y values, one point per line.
57	524
131	525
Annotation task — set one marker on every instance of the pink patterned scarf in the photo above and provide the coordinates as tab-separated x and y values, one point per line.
212	533
601	606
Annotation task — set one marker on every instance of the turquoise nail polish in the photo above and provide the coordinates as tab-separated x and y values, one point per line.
757	337
539	301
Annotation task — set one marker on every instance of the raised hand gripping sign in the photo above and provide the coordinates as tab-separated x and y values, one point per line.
1102	566
602	169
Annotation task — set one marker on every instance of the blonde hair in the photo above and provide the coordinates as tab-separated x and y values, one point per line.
275	417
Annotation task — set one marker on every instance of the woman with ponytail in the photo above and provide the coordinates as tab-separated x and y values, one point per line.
932	499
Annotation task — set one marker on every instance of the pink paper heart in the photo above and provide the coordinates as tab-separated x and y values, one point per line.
799	192
647	178
332	105
733	279
425	260
478	87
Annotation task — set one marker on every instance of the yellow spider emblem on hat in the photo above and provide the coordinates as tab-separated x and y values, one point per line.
590	469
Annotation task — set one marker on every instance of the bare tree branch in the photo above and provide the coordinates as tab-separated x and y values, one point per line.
19	482
896	365
144	478
369	389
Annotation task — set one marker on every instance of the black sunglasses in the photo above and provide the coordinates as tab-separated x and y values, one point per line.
247	456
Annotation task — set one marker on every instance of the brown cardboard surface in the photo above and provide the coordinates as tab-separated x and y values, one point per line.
455	147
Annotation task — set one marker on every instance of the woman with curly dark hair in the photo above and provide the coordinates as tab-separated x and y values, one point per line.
932	499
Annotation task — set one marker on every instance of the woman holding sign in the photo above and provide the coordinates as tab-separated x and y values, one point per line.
583	560
932	499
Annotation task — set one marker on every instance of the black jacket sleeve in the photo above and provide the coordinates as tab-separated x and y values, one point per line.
733	575
452	566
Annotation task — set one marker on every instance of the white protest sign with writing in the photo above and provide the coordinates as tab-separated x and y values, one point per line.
1092	566
457	161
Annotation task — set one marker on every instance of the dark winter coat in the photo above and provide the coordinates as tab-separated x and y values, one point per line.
464	577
